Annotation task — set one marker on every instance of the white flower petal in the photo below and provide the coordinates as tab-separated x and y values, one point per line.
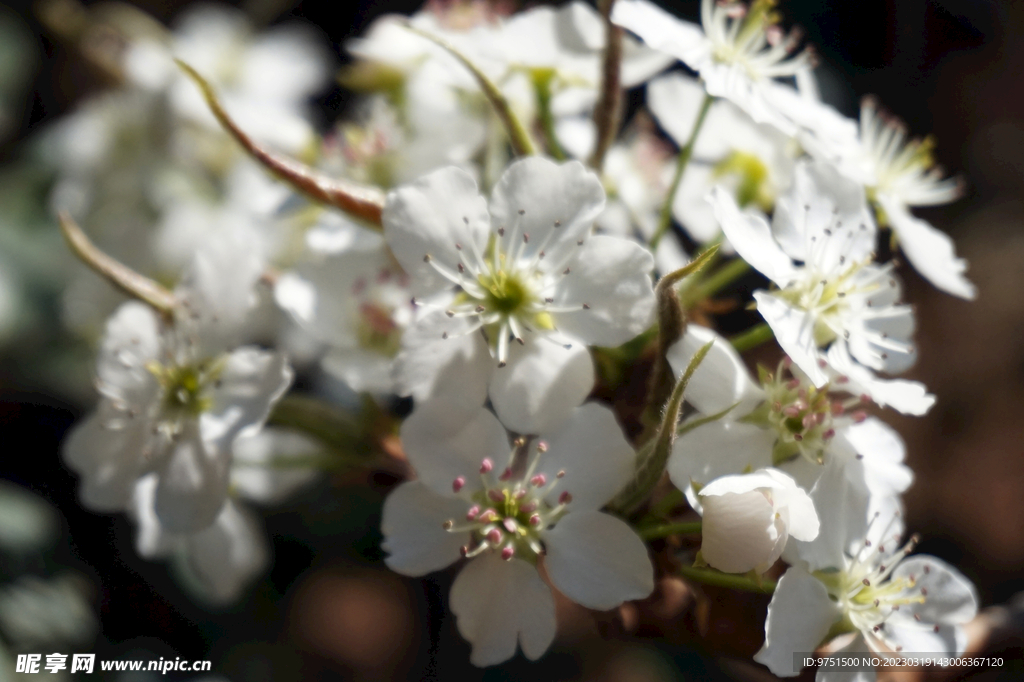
799	616
843	517
594	453
563	199
794	330
612	277
108	460
193	483
720	448
225	557
908	397
541	385
691	209
251	381
820	219
456	370
911	636
363	370
497	603
429	217
752	238
881	453
721	380
414	536
152	541
662	31
951	597
855	647
675	100
597	560
442	448
131	340
738	531
931	252
262	469
221	304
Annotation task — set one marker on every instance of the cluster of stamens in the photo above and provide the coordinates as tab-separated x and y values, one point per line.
509	290
752	38
184	378
904	168
867	594
804	416
510	510
842	298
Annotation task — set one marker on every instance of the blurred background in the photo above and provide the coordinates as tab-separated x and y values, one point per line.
328	609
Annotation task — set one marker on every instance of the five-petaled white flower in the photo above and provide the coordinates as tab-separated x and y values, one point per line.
898	175
819	252
522	281
864	586
475	499
748	518
174	398
738	53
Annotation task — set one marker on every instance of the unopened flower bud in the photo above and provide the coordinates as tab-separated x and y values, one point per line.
748	518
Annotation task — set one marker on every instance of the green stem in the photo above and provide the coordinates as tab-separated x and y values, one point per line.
716	281
735	582
520	140
672	499
664	531
752	338
684	158
326	423
542	87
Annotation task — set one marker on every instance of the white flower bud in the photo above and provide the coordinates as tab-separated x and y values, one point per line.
748	518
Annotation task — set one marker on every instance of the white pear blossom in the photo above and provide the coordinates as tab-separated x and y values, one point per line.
869	588
754	161
819	252
174	396
521	280
350	294
899	174
507	511
783	421
748	518
738	53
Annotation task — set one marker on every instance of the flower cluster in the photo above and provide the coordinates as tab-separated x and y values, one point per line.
477	236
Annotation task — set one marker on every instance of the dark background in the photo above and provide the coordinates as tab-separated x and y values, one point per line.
328	610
